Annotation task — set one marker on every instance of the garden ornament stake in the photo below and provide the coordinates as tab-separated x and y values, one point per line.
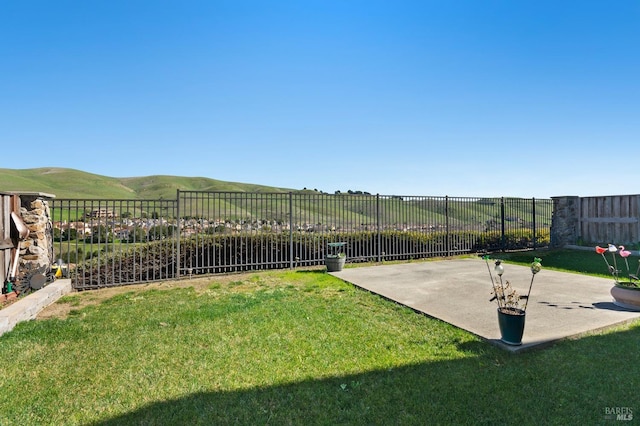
601	251
613	269
625	291
499	269
507	298
493	283
624	254
535	268
613	249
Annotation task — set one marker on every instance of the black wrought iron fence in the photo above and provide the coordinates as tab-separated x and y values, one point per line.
117	242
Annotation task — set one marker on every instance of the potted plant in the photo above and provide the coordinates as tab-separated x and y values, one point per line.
335	258
511	316
625	291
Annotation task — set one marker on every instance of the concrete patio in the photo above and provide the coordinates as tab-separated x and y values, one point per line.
457	291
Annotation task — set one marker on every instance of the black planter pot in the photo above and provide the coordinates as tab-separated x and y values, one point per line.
334	264
511	324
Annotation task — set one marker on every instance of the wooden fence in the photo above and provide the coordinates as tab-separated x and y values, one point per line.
8	203
610	219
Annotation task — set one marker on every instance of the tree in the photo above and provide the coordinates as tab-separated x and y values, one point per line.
69	234
160	232
100	234
137	235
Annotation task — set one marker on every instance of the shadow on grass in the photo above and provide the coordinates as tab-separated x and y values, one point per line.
407	395
568	383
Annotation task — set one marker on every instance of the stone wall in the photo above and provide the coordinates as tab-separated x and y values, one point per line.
36	251
565	221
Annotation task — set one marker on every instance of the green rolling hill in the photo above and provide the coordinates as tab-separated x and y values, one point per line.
65	183
71	183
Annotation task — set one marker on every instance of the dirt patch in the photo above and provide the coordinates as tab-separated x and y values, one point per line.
7	299
55	310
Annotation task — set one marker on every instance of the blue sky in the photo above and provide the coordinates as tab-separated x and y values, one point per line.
459	98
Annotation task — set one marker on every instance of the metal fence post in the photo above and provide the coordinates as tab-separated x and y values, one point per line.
502	219
378	235
291	259
178	233
446	215
533	212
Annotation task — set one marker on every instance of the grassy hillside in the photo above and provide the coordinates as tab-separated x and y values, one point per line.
70	183
63	183
317	208
154	187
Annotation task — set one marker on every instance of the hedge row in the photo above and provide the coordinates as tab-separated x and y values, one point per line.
220	253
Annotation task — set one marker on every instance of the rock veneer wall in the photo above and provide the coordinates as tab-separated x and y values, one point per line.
565	221
36	251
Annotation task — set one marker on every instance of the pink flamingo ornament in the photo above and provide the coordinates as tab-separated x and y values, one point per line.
624	254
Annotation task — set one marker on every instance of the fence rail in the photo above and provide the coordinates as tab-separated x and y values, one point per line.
117	242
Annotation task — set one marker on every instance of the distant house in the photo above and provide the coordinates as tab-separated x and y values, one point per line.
101	213
122	233
82	229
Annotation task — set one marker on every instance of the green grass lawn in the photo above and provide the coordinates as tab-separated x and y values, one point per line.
295	347
576	261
